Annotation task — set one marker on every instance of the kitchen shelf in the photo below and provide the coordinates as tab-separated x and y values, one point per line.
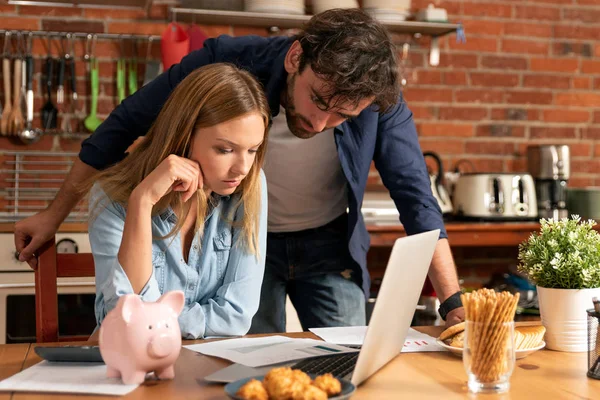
143	4
289	21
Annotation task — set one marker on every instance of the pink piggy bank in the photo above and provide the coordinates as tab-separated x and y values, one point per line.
138	337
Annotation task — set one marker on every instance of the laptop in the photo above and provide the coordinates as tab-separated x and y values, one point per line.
389	324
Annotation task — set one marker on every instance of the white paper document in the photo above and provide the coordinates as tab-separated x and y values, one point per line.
87	378
257	352
355	335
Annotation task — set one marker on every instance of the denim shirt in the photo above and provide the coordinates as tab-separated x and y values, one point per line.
221	280
389	140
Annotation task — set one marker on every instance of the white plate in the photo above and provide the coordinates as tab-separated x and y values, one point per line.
457	351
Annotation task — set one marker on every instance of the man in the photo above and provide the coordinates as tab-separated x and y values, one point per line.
337	85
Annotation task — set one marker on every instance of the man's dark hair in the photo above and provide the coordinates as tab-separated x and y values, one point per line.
354	54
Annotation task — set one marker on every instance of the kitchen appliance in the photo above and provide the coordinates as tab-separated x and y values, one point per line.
550	167
17	293
584	202
437	187
495	196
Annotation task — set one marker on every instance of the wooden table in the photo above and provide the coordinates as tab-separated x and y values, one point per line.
543	375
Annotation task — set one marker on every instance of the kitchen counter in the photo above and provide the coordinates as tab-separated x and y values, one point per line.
460	234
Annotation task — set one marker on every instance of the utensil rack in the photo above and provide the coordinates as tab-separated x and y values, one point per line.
30	181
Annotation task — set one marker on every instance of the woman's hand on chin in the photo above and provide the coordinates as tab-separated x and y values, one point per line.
174	173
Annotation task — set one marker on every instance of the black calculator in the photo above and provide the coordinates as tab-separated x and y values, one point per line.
69	353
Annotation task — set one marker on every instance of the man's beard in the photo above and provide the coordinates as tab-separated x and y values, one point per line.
293	119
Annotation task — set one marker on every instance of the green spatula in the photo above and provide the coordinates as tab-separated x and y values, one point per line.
92	122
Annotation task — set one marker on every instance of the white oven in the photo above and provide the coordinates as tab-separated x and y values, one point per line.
17	293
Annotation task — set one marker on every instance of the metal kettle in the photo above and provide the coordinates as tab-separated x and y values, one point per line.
437	187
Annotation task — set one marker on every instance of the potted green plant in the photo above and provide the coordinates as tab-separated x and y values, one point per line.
563	261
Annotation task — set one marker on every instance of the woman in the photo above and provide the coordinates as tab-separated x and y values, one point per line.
187	209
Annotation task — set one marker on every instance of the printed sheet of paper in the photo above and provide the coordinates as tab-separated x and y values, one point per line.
66	377
257	352
355	335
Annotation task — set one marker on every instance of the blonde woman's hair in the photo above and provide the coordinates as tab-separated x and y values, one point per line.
208	96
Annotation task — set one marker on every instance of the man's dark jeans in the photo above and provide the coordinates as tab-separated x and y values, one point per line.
315	269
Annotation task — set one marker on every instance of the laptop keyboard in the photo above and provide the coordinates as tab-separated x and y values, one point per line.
340	366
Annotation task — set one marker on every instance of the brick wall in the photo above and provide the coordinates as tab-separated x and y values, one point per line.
529	73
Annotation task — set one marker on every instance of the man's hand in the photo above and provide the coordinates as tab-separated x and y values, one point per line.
455	316
31	233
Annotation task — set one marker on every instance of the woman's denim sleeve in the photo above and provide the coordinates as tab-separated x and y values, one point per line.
230	311
107	220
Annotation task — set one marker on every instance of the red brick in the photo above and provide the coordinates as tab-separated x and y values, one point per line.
576	31
457	60
249	30
580	181
72	26
596	83
585	99
423	112
479	96
585	15
494	80
475	44
160	11
415	94
442	147
597	150
515	165
416	59
463	113
583	82
554	64
445	129
501	62
6	9
520	28
573	49
106	14
484	27
140	28
552	133
580	149
591	133
515	114
51	11
565	115
491	148
547	13
492	9
597	117
529	97
19	23
588	2
597	50
585	166
455	78
426	77
590	67
525	46
547	81
488	164
216	30
501	130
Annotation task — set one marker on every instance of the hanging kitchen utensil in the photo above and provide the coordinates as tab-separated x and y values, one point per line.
60	91
4	121
174	44
92	122
197	37
49	111
16	122
133	67
65	125
153	67
437	187
29	134
121	68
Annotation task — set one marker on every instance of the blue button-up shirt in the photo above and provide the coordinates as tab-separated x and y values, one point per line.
221	280
390	140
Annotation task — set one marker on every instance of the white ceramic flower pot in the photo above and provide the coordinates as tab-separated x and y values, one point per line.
564	316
